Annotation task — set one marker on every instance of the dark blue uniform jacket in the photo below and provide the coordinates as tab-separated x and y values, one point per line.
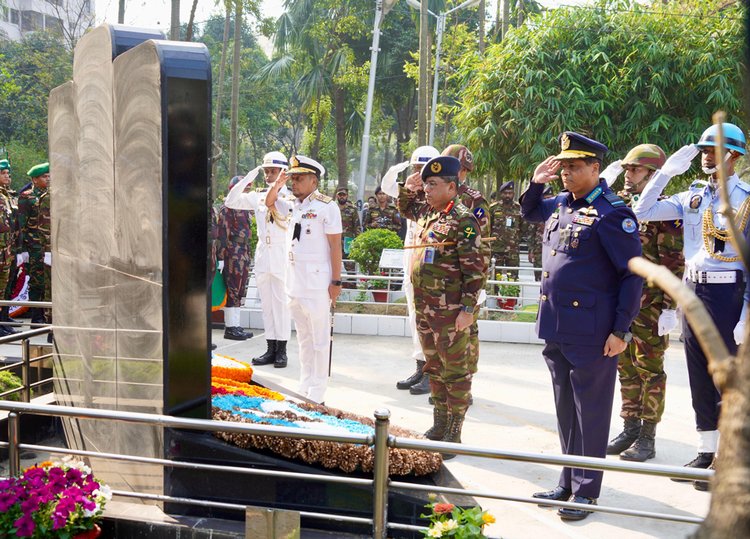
587	291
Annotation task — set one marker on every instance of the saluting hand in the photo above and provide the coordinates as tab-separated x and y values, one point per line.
545	171
614	346
414	182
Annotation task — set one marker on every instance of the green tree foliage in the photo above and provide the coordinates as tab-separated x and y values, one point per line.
619	71
368	246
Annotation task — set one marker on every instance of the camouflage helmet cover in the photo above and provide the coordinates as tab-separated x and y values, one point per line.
650	156
463	154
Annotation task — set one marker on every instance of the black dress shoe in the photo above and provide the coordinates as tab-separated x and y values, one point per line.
703	460
558	494
567	513
704	486
235	334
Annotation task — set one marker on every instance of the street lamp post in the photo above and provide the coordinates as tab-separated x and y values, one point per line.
381	8
438	45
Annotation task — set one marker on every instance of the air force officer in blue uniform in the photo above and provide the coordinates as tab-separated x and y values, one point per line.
588	300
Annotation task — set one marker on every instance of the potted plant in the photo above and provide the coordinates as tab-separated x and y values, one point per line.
507	292
378	287
368	246
53	500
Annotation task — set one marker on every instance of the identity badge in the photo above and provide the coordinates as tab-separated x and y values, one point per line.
509	221
429	255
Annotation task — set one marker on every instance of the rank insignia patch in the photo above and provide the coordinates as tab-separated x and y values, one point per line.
469	232
628	225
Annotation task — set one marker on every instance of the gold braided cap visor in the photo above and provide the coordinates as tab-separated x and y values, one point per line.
574	154
302	170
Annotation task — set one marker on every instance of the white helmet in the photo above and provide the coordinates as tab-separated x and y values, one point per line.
423	154
275	160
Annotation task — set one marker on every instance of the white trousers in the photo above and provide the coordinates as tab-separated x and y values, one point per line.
408	289
274	305
312	320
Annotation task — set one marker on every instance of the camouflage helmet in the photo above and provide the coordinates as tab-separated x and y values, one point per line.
645	155
234	181
463	154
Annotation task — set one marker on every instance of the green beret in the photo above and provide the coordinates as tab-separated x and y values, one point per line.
38	170
4	164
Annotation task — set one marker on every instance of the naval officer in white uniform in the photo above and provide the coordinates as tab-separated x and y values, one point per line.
271	254
314	275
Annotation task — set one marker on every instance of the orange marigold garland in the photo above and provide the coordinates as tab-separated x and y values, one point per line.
228	367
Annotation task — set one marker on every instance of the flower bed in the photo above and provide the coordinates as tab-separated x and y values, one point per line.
52	500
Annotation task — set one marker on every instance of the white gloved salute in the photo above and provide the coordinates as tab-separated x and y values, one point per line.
612	171
220	265
667	321
679	162
739	332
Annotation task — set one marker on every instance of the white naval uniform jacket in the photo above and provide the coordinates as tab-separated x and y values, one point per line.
271	249
309	261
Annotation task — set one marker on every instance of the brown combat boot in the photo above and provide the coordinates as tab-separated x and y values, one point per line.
453	433
439	425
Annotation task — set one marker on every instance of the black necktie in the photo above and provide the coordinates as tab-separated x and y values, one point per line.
297	230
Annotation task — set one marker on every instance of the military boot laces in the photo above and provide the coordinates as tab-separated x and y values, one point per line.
269	356
453	433
415	377
644	447
439	425
281	359
625	439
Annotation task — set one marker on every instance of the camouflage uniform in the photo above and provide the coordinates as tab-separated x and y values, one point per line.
641	365
505	218
453	279
388	218
34	224
350	224
234	238
7	232
533	234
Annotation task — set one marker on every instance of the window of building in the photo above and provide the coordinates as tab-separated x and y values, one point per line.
14	19
31	20
53	24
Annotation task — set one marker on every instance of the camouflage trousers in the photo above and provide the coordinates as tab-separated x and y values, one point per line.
450	359
40	279
643	382
236	273
6	261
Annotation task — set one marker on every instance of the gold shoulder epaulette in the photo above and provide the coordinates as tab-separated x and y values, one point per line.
323	198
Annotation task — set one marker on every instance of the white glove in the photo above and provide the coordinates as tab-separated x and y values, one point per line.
612	171
680	161
22	258
739	332
48	258
388	184
220	265
667	321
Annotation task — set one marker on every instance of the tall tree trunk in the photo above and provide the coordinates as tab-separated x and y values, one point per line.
315	149
339	96
191	21
174	31
216	150
505	18
121	12
387	154
481	27
233	134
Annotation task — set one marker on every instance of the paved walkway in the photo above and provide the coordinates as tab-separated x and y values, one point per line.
514	410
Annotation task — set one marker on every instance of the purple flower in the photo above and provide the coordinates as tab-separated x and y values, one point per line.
24	526
8	498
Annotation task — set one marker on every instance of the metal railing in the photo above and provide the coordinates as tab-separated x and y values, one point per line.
381	440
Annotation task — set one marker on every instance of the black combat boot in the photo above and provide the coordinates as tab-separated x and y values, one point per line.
703	460
235	334
644	447
705	486
415	378
422	387
439	424
5	317
453	433
625	439
281	359
270	355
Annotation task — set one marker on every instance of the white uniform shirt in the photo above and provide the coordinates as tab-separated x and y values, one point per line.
310	253
271	249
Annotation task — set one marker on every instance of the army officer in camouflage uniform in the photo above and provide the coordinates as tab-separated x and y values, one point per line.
505	219
382	215
641	367
351	227
448	271
34	223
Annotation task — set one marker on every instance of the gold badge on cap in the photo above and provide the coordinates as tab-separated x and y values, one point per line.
436	167
564	142
294	161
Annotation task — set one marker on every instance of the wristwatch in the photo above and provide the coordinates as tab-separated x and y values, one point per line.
336	283
624	335
466	309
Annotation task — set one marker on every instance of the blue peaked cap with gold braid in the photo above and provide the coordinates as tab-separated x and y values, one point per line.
576	146
442	166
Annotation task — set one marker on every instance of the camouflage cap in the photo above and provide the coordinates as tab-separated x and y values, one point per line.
463	154
650	156
38	170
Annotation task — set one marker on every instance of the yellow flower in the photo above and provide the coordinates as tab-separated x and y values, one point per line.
488	518
450	524
434	532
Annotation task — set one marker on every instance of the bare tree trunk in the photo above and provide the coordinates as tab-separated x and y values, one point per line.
387	156
505	19
233	135
121	12
339	97
216	150
191	22
481	27
174	32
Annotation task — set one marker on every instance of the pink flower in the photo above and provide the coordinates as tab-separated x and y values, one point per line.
442	508
24	526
